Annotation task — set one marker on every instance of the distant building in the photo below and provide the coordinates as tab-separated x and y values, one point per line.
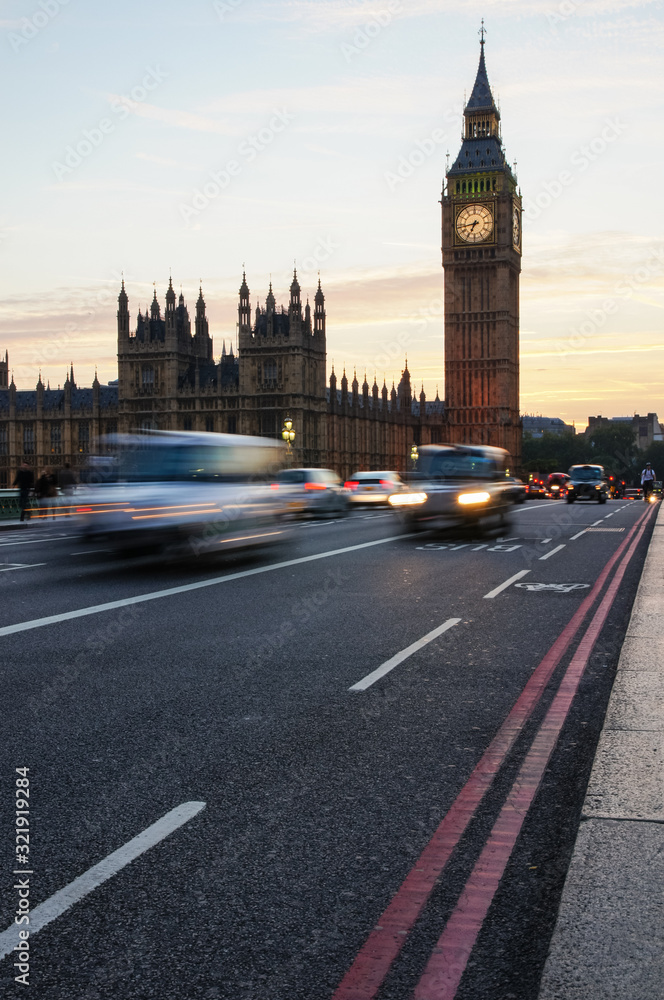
535	427
646	429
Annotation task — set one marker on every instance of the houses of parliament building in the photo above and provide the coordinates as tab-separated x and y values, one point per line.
168	378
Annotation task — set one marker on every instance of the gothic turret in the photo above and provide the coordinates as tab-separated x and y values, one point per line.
295	305
270	302
170	297
319	310
123	312
244	308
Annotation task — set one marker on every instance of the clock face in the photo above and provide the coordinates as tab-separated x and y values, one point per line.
516	227
474	223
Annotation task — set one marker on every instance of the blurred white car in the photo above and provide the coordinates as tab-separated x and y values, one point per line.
186	491
312	491
373	487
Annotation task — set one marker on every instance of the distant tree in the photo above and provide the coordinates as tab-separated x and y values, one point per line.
614	447
554	452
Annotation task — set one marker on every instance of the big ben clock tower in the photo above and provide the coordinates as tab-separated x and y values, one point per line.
482	262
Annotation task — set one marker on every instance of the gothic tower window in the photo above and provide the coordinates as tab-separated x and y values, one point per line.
56	439
84	436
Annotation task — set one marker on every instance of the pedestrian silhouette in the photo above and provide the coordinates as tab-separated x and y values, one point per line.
25	480
46	491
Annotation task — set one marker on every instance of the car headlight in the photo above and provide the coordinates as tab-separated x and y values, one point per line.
471	498
406	499
598	487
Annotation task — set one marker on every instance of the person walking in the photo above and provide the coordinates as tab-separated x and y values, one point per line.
648	478
25	480
46	492
67	480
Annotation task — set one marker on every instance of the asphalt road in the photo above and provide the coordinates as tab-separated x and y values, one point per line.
319	801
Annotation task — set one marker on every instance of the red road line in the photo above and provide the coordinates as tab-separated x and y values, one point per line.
448	961
382	947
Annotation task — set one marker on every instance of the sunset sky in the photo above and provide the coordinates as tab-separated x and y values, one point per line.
326	124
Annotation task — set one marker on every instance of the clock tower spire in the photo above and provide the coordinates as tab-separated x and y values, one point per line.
481	244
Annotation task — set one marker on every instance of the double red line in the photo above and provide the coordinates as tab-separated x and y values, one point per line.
449	959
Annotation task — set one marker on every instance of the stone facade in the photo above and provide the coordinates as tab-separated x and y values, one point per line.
168	380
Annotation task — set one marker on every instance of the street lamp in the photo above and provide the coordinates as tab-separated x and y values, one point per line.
414	455
288	434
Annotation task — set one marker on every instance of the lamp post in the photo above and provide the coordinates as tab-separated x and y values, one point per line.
414	455
288	434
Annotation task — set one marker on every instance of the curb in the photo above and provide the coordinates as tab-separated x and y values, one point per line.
608	942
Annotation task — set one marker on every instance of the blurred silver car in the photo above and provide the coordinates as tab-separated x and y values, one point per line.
187	492
457	485
312	491
373	487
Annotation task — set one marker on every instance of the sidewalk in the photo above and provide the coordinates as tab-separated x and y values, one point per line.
608	943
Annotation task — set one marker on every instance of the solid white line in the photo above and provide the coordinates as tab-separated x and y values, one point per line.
552	552
578	534
508	583
200	585
385	668
13	566
35	541
60	902
530	506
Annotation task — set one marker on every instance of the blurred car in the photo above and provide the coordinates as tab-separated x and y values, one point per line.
632	494
657	488
373	487
313	491
457	485
536	488
556	485
187	492
587	482
517	489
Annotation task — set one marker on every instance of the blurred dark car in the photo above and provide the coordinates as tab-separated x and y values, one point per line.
587	482
631	494
536	488
373	487
313	492
457	485
556	485
517	489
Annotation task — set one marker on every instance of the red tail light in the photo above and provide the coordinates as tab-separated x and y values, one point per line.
315	486
274	486
352	484
386	482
